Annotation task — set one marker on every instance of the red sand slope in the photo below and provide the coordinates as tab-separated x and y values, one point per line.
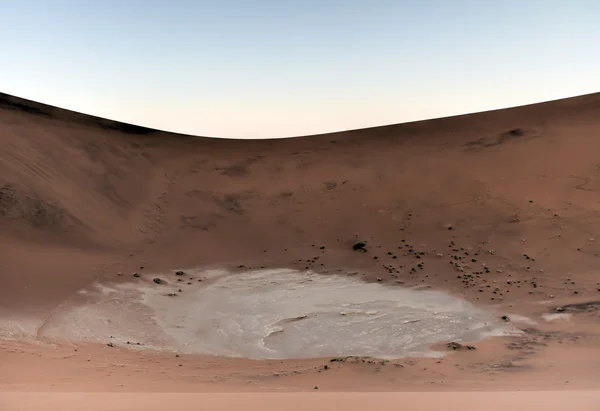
83	198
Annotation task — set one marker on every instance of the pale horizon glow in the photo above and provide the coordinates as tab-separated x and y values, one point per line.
282	69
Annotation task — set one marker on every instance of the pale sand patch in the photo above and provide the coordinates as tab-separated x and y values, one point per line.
557	317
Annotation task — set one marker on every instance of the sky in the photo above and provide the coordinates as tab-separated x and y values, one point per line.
283	68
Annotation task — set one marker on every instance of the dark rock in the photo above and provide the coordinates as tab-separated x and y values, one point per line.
359	245
516	132
459	347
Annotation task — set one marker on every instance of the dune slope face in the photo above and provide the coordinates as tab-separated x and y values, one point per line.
82	197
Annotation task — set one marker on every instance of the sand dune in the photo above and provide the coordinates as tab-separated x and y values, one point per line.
503	205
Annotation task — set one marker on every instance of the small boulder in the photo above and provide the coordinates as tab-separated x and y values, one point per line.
459	347
359	245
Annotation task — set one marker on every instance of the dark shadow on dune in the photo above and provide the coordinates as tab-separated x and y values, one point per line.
31	107
493	141
9	103
122	127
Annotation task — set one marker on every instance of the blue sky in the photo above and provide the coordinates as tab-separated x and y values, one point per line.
274	68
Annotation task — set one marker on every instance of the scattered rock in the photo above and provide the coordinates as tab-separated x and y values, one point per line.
459	347
517	132
157	280
359	245
179	272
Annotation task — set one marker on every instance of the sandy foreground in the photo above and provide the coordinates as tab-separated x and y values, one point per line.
499	209
452	401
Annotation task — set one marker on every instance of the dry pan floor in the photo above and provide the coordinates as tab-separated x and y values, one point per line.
269	314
